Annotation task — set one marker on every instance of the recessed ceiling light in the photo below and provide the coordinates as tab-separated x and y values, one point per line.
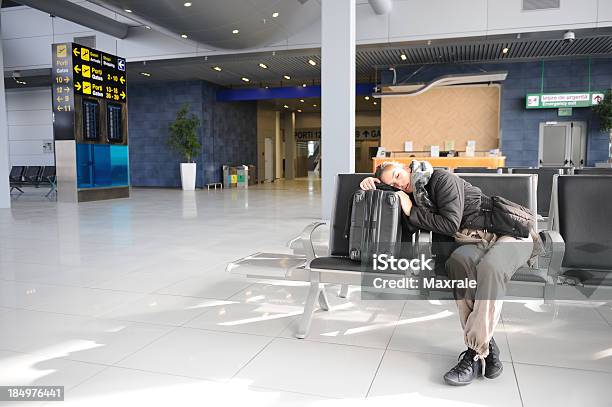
375	102
302	100
147	27
20	82
299	110
127	10
275	14
286	107
235	31
145	74
264	66
505	50
217	68
267	87
303	85
287	77
188	4
312	62
184	35
367	98
315	105
404	57
245	79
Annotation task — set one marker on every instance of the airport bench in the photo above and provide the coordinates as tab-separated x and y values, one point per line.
34	176
545	180
593	171
476	170
582	226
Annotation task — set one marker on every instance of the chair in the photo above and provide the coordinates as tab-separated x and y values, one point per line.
47	177
593	171
16	177
545	181
582	228
474	170
31	175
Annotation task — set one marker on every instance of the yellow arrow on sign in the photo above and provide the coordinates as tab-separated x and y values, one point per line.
59	99
122	95
75	52
77	69
77	85
122	80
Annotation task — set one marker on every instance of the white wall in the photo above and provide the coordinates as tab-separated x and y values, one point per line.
313	120
27	33
29	124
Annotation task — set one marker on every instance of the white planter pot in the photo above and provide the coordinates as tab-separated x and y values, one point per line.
188	176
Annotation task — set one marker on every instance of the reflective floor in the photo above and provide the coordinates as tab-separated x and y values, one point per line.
127	302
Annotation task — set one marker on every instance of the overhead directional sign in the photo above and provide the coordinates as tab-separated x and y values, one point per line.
558	100
98	74
63	92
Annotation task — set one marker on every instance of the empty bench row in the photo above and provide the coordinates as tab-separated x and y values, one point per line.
35	175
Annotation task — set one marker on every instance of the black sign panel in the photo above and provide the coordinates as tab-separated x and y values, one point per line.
99	74
62	91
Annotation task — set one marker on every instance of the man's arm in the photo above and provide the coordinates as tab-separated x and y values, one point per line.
449	193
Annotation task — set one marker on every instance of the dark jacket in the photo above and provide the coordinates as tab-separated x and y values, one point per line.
457	205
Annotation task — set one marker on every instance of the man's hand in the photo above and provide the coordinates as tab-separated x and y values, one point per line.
405	202
369	183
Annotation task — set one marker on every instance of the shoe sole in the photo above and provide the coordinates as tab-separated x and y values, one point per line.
499	372
453	383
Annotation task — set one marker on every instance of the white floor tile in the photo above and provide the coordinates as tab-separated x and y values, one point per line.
162	309
141	282
74	337
353	322
126	387
605	310
313	368
550	386
65	300
212	284
251	318
197	353
22	369
414	379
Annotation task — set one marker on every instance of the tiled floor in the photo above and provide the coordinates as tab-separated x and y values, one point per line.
128	303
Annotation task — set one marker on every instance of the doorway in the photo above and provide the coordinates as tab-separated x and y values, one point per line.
268	159
562	144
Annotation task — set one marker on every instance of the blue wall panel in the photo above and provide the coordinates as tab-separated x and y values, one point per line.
224	127
519	126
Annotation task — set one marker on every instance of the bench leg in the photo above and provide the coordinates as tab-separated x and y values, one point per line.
323	300
313	295
343	291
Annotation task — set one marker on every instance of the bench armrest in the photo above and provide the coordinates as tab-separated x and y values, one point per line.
306	240
555	245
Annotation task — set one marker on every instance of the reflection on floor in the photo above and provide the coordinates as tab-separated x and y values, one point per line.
126	302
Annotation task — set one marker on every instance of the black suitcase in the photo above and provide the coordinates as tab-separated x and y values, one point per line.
375	225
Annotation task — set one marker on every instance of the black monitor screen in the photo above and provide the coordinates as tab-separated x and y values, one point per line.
113	115
91	114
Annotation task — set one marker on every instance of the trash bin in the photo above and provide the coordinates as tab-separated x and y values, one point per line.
230	176
242	173
252	175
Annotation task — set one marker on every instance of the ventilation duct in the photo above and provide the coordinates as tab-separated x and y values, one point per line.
79	15
381	7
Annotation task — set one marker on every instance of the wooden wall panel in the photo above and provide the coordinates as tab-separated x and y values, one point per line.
458	113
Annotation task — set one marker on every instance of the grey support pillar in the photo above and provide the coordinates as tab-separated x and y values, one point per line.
337	95
289	145
5	199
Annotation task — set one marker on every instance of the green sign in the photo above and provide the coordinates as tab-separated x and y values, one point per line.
557	100
565	111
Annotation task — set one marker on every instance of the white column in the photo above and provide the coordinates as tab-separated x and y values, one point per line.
5	199
337	95
278	166
289	145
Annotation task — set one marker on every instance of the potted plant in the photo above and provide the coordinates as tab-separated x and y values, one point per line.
184	139
603	110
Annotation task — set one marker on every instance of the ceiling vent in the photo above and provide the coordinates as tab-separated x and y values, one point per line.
89	41
531	5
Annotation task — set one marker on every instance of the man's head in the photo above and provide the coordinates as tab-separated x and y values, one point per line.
394	174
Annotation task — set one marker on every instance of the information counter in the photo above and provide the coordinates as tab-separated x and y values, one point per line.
450	162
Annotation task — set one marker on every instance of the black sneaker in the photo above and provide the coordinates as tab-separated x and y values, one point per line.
493	366
466	370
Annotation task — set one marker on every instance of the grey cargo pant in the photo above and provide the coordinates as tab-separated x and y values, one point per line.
491	267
